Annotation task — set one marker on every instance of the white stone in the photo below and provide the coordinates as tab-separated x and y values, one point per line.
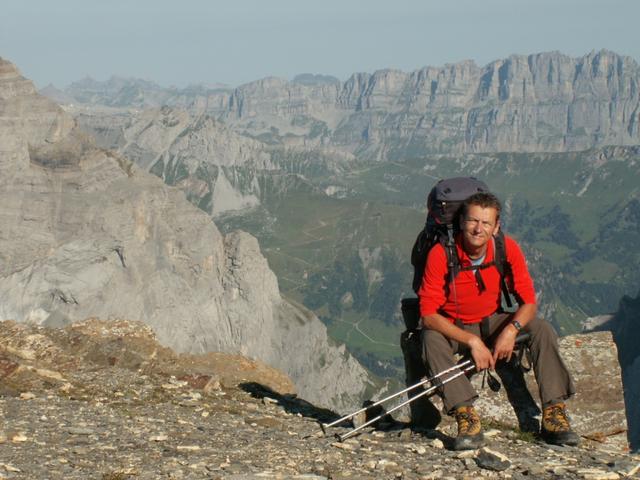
597	474
437	443
499	455
188	448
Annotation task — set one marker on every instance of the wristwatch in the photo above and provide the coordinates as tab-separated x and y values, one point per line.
516	324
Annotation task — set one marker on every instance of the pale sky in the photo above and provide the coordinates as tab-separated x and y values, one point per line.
237	41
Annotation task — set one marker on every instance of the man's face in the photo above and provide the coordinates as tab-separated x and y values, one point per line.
478	226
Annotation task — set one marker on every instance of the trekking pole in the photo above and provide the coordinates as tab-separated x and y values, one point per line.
406	402
465	367
324	426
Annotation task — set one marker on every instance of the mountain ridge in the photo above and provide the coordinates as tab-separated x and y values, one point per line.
539	102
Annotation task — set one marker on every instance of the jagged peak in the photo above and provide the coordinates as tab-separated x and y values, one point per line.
85	81
457	65
315	79
6	65
8	71
265	82
113	82
358	77
12	83
383	72
204	88
604	52
554	54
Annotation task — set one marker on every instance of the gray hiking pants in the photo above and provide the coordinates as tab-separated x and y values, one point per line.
554	380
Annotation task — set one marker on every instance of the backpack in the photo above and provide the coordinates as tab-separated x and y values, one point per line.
442	224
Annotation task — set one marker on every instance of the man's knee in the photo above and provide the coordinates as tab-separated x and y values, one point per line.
434	344
433	339
541	330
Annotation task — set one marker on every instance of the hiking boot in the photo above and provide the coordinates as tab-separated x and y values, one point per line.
470	434
555	426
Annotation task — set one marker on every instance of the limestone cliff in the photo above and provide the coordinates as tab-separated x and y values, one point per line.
540	102
87	234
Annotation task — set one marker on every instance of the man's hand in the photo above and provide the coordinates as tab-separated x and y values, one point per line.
503	348
481	354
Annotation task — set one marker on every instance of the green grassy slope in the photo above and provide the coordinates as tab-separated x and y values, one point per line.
348	258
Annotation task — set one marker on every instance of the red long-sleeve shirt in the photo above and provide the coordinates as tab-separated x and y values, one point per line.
466	302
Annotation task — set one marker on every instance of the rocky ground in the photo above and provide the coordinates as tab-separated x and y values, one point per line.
106	402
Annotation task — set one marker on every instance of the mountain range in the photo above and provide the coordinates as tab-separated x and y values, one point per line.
546	102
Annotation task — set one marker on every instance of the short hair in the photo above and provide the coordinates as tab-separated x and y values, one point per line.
484	200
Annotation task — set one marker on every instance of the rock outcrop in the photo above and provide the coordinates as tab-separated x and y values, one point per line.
87	234
546	102
597	410
39	358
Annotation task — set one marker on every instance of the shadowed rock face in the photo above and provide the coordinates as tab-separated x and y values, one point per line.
87	234
625	325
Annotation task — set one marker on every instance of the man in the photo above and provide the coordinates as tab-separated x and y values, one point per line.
460	316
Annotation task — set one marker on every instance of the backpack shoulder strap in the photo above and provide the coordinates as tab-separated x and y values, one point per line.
500	254
448	242
503	266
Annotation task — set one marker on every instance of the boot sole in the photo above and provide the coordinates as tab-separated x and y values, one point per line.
565	438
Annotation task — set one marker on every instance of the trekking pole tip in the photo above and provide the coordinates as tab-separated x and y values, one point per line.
323	427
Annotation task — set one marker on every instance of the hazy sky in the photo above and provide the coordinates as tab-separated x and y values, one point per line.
236	41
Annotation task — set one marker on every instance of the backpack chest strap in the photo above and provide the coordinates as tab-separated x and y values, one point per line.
482	266
476	271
